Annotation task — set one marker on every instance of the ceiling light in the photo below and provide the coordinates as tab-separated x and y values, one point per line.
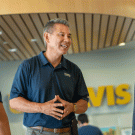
0	32
33	40
12	50
4	43
122	44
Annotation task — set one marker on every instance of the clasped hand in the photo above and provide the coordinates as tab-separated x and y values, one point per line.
50	108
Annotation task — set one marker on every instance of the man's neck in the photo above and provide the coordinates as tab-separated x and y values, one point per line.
54	59
84	124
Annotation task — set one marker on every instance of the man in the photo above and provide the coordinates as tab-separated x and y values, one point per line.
4	124
46	83
85	128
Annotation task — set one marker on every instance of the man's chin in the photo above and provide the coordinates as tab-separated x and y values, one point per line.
64	52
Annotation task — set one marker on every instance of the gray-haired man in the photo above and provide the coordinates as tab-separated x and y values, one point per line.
48	82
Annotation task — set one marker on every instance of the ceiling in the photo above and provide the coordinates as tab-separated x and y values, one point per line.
89	32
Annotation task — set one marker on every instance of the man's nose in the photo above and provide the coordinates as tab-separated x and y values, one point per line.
67	39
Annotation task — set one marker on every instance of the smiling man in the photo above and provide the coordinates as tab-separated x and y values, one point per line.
48	88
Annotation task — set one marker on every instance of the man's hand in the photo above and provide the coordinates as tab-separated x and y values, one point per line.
50	108
68	107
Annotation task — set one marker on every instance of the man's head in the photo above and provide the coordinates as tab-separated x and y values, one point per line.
82	119
49	27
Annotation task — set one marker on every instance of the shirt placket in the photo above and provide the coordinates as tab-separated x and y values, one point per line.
55	85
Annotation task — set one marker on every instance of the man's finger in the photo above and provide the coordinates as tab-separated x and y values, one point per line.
61	100
57	114
58	118
65	114
58	110
57	104
55	99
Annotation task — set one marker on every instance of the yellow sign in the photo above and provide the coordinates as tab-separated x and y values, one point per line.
120	96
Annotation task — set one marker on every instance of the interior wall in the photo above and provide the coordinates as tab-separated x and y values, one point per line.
111	7
110	66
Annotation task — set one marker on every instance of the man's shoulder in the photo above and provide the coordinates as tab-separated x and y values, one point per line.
29	61
94	127
71	64
90	127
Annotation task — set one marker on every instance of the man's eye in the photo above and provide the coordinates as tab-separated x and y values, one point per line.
61	34
69	36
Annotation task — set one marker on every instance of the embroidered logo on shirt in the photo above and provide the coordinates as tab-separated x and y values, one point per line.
66	74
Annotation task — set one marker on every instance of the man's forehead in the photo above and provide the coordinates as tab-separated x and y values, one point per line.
61	28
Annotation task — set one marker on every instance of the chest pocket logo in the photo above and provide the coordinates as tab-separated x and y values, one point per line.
66	74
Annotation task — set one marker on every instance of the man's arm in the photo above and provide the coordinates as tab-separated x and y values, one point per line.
23	105
48	108
82	106
4	124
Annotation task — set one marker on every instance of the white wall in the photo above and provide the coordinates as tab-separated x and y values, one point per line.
110	66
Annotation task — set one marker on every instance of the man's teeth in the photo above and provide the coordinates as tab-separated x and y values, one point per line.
64	46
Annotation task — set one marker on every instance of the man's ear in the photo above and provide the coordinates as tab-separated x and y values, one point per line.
46	37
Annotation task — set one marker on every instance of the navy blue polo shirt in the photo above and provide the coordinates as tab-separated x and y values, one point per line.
89	130
0	97
38	81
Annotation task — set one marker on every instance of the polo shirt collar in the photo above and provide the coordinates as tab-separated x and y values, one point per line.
44	61
42	58
63	62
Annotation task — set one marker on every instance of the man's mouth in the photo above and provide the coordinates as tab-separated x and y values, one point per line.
64	46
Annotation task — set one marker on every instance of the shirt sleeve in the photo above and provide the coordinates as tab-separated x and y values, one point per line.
81	91
0	97
20	82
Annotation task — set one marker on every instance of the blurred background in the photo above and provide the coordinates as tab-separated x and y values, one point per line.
103	46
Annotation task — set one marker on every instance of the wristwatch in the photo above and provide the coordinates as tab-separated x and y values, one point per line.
75	107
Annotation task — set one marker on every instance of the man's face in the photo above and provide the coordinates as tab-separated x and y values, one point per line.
60	39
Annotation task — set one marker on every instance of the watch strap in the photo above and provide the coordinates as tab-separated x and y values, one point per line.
75	107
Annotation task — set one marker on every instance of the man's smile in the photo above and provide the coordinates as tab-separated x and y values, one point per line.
65	46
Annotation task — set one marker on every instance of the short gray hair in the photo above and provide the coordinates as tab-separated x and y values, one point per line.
49	26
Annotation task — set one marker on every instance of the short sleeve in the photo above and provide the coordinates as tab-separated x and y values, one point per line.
0	97
20	82
81	89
